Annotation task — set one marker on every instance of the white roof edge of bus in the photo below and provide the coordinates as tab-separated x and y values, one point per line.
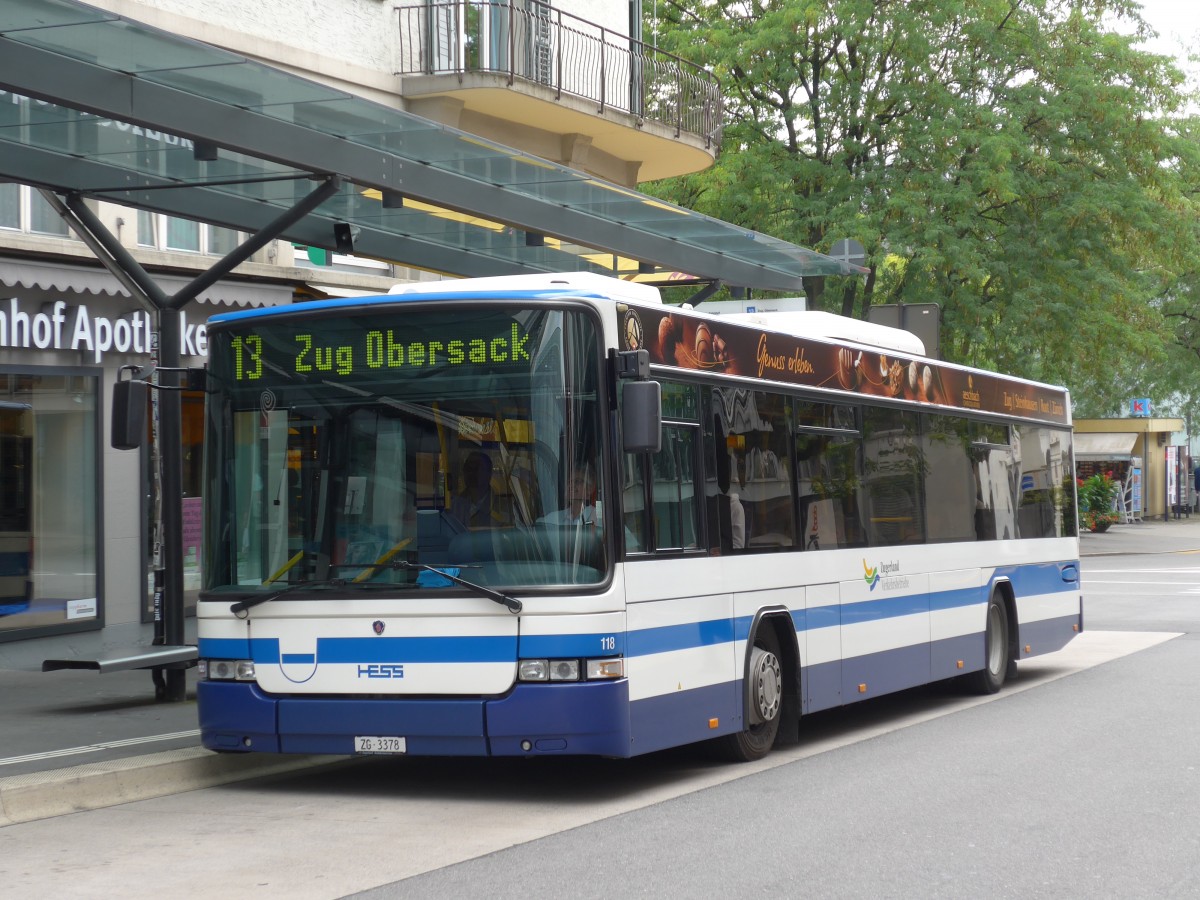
614	288
812	323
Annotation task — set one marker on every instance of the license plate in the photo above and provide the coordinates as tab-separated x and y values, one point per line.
379	744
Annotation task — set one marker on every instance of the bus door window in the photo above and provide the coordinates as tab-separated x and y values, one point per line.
633	502
952	493
761	428
720	483
828	474
660	492
1043	457
676	511
995	472
894	473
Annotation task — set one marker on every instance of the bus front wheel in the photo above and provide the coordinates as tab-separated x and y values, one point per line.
764	700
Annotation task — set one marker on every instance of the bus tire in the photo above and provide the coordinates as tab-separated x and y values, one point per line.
764	701
996	652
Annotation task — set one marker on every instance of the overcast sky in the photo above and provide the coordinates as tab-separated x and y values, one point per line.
1178	25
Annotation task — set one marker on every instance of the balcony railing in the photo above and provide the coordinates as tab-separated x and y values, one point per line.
532	41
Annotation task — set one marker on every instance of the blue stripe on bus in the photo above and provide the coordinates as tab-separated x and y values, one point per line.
420	649
224	648
1038	578
956	598
1029	579
666	638
446	649
884	608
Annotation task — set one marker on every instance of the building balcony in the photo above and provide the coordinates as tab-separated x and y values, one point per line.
533	77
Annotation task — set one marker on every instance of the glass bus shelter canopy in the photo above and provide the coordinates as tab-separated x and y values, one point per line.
125	112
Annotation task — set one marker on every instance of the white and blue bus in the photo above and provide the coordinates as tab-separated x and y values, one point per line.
552	515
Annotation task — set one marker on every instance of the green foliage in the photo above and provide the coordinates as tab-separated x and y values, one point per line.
1023	165
1097	500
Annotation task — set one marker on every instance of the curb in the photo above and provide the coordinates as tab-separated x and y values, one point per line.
43	795
1128	552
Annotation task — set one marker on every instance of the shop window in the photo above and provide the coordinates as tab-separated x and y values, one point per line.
168	233
10	205
183	235
42	217
48	503
24	209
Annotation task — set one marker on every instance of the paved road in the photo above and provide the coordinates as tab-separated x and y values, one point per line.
880	779
1079	780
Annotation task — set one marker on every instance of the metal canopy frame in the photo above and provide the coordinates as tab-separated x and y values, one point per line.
99	70
131	114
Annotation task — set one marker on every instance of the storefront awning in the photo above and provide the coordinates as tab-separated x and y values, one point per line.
94	280
1102	447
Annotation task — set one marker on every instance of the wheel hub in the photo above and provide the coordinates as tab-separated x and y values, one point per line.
766	686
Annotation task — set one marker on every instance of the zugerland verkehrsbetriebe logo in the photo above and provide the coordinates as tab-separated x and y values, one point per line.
885	575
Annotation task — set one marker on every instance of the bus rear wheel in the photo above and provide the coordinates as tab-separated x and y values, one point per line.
996	659
764	701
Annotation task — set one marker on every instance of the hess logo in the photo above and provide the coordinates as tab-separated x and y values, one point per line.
381	670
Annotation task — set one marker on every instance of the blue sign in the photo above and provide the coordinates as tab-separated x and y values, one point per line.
1140	408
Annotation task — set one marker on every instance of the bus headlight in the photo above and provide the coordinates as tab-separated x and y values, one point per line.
226	669
534	670
570	669
564	670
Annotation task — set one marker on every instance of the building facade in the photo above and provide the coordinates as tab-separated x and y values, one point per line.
570	83
1137	453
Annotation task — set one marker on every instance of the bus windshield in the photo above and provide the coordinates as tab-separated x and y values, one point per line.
360	447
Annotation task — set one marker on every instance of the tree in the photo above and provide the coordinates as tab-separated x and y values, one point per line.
1017	161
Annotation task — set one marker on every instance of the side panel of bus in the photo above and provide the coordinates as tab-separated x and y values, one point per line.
682	653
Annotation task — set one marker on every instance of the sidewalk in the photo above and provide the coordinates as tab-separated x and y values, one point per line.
75	740
1151	536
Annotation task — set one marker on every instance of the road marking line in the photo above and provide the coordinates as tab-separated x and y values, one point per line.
93	748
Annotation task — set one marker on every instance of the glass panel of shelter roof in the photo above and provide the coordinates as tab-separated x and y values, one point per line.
123	46
513	170
86	153
353	118
18	14
248	85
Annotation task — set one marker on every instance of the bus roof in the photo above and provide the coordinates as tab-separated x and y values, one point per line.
589	282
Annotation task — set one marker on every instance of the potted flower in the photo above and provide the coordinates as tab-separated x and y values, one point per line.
1098	501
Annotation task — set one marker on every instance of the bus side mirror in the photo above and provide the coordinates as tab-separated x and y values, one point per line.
129	414
641	417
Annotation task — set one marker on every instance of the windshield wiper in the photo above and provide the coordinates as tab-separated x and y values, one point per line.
243	605
512	604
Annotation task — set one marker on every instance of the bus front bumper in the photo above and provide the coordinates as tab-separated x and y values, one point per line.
583	718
